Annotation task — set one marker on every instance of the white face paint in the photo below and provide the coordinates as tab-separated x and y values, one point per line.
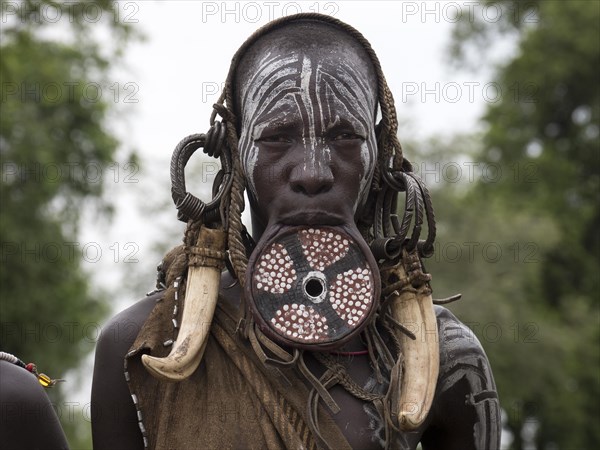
323	95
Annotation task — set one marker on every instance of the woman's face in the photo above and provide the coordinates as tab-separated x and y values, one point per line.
307	138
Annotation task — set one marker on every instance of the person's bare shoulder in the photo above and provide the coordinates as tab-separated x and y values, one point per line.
465	413
114	419
119	333
28	418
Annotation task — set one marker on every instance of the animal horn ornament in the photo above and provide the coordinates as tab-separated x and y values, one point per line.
201	294
411	306
312	287
206	258
408	294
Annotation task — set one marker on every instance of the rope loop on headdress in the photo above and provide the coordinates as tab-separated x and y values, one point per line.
189	206
223	111
417	207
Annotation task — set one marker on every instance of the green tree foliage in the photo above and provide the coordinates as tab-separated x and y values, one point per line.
539	208
53	131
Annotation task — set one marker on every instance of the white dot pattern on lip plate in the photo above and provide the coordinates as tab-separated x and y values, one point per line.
275	273
323	247
300	322
351	294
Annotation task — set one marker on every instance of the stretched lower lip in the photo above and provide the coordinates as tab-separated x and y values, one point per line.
312	218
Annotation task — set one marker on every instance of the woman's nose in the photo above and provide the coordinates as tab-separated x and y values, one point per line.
312	175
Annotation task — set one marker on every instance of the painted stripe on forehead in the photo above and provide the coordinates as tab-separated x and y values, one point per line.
363	84
266	96
259	79
333	91
305	100
351	91
277	92
284	79
280	74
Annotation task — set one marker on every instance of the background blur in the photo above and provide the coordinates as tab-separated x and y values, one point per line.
499	103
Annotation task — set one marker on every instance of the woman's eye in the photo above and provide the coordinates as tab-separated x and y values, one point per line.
275	139
347	137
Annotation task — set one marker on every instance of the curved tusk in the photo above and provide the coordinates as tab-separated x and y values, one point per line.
202	291
414	309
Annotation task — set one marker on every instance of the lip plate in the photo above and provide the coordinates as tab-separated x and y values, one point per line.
276	235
